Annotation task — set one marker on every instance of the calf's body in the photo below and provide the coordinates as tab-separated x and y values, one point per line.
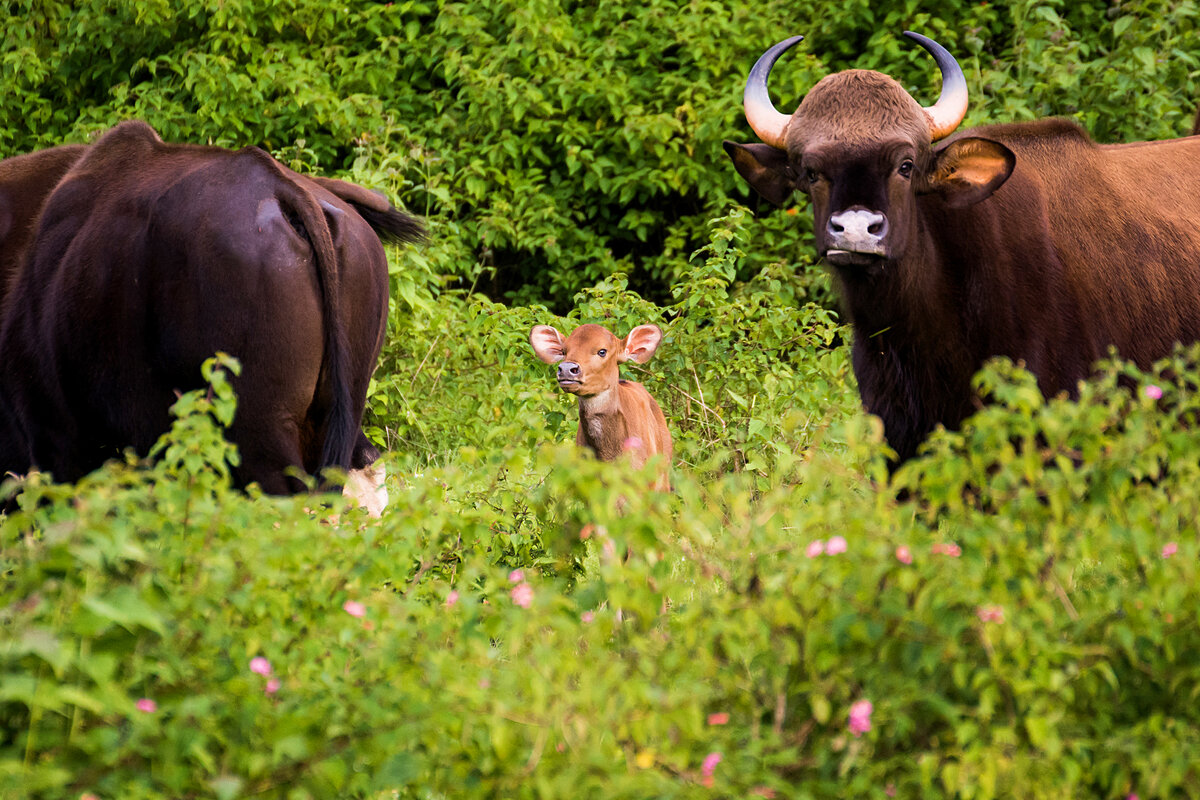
616	417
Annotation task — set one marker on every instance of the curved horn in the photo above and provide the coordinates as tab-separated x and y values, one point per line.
764	120
947	113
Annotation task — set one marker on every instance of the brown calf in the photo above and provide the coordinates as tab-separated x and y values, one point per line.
615	416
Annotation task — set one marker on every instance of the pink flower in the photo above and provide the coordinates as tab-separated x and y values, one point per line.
946	549
272	686
890	790
516	576
836	544
709	767
1169	549
354	608
814	549
452	598
587	617
903	554
1132	796
632	443
1154	393
147	706
260	665
860	717
522	595
88	796
718	718
990	614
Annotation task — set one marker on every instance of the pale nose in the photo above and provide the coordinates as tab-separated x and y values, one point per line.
568	369
858	227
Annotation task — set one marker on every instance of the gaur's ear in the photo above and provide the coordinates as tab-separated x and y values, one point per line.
764	167
640	344
547	343
967	171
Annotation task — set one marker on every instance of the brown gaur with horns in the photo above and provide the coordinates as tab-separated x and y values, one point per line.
1025	240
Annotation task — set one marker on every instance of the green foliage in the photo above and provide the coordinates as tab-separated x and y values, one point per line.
556	144
1018	603
761	389
1024	625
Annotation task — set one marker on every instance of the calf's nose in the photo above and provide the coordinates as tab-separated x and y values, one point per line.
568	370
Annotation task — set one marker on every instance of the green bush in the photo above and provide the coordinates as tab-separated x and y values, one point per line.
1017	604
764	387
555	144
1023	626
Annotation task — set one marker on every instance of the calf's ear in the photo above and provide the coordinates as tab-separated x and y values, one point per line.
765	168
966	171
547	343
640	344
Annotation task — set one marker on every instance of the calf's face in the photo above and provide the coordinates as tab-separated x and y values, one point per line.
588	359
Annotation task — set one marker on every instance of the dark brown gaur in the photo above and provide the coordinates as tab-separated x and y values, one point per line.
25	182
134	276
1025	240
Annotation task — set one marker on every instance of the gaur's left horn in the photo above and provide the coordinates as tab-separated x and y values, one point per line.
768	123
947	113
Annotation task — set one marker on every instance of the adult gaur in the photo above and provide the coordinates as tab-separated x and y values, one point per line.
1027	240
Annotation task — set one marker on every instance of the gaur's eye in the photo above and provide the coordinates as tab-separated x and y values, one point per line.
906	168
602	353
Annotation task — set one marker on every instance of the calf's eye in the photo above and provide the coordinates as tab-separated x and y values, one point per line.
602	353
906	169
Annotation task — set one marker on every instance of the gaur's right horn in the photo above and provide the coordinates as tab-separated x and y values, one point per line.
769	124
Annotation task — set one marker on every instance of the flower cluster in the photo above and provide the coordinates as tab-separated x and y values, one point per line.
709	767
260	666
835	545
860	717
522	592
990	614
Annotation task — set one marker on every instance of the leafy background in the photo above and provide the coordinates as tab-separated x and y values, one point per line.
567	157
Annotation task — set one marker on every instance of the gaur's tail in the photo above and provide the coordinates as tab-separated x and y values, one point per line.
390	224
341	426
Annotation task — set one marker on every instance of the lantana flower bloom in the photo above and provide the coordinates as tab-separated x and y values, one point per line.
522	595
860	717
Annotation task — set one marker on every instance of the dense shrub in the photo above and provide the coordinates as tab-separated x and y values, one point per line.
1018	605
1025	626
556	143
744	374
